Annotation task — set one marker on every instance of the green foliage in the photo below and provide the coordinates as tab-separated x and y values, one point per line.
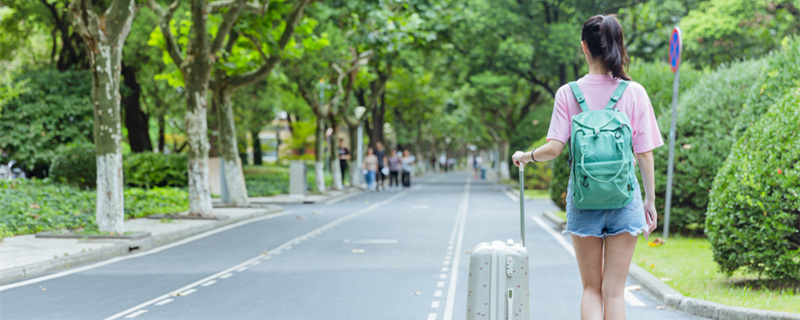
754	213
262	181
721	31
31	206
75	164
657	77
707	115
558	185
148	169
302	140
54	110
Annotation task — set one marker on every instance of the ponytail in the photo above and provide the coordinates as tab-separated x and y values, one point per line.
604	38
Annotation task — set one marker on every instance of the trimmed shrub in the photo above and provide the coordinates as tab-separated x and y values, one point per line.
148	170
707	116
75	164
754	213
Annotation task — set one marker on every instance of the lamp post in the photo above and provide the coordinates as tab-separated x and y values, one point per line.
359	112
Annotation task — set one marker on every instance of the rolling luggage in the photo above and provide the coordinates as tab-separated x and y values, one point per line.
498	277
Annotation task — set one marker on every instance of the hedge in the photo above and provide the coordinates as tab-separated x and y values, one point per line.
75	164
754	213
31	206
707	115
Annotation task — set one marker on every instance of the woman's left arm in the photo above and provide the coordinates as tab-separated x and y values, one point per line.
646	167
549	151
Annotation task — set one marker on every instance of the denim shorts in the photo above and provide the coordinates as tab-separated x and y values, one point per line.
606	222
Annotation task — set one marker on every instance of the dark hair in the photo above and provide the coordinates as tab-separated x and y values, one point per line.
603	37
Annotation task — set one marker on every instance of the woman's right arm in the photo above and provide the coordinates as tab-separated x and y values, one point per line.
646	167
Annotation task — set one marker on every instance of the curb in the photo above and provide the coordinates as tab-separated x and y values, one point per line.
674	300
40	268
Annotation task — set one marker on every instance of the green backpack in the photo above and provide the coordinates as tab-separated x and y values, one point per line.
603	174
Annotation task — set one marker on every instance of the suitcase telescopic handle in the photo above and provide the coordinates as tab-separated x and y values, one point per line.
522	202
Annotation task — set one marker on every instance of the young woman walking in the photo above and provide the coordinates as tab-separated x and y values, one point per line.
604	240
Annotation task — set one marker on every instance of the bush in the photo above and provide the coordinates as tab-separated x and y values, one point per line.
754	213
54	109
558	185
537	175
707	115
262	181
148	169
75	164
31	206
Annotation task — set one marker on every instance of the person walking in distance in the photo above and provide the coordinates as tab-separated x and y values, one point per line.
370	164
380	152
344	157
394	170
605	209
407	163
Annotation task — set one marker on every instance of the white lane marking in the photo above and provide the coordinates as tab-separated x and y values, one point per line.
444	269
440	284
226	276
511	195
135	314
435	304
447	262
438	293
209	283
371	241
451	290
165	301
272	252
255	263
633	300
136	255
241	269
332	201
187	292
443	276
563	242
432	316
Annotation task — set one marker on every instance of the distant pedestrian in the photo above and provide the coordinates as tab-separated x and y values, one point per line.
371	166
344	156
408	166
612	212
476	166
394	169
380	152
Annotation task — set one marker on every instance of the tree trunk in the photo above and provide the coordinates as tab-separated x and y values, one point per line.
355	167
319	163
135	119
162	131
229	151
336	170
105	37
257	152
505	146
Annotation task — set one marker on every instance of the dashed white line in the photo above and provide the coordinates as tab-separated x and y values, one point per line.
444	269
440	284
165	301
187	292
241	269
435	304
255	263
209	283
432	316
633	300
438	293
447	262
459	235
443	276
226	276
135	314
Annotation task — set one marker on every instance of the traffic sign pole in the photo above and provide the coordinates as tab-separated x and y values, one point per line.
675	60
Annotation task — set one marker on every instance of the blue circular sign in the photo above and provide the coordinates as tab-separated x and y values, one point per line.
675	49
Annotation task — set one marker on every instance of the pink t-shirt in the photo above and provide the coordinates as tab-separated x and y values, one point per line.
597	90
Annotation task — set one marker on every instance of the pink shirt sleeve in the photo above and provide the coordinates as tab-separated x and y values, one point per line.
561	121
646	135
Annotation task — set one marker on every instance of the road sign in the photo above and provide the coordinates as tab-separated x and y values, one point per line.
675	49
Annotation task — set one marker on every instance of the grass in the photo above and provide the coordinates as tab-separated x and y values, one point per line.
272	180
686	264
537	194
561	214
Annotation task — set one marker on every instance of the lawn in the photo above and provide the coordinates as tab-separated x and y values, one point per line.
537	193
686	264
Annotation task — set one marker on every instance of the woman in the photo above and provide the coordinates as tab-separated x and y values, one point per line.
407	162
371	166
394	169
604	240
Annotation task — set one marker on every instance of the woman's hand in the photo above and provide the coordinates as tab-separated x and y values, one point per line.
650	215
520	158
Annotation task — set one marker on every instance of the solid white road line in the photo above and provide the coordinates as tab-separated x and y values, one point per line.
277	250
462	219
633	300
345	197
135	314
136	255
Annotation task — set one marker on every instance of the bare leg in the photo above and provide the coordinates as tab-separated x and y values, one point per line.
618	255
589	253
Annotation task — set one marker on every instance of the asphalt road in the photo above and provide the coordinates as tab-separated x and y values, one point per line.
382	255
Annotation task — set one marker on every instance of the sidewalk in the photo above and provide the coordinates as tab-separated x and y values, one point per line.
27	256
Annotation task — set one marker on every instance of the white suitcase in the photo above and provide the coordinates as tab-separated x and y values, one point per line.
498	278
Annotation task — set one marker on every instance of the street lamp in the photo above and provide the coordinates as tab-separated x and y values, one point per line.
360	110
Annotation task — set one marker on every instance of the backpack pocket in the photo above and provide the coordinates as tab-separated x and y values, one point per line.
602	185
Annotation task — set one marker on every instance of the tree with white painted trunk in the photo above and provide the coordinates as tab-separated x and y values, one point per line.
195	67
104	37
228	79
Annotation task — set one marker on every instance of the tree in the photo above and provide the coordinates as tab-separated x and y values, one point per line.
195	68
229	77
104	37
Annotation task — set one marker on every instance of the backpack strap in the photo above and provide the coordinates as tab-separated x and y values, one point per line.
579	96
617	94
